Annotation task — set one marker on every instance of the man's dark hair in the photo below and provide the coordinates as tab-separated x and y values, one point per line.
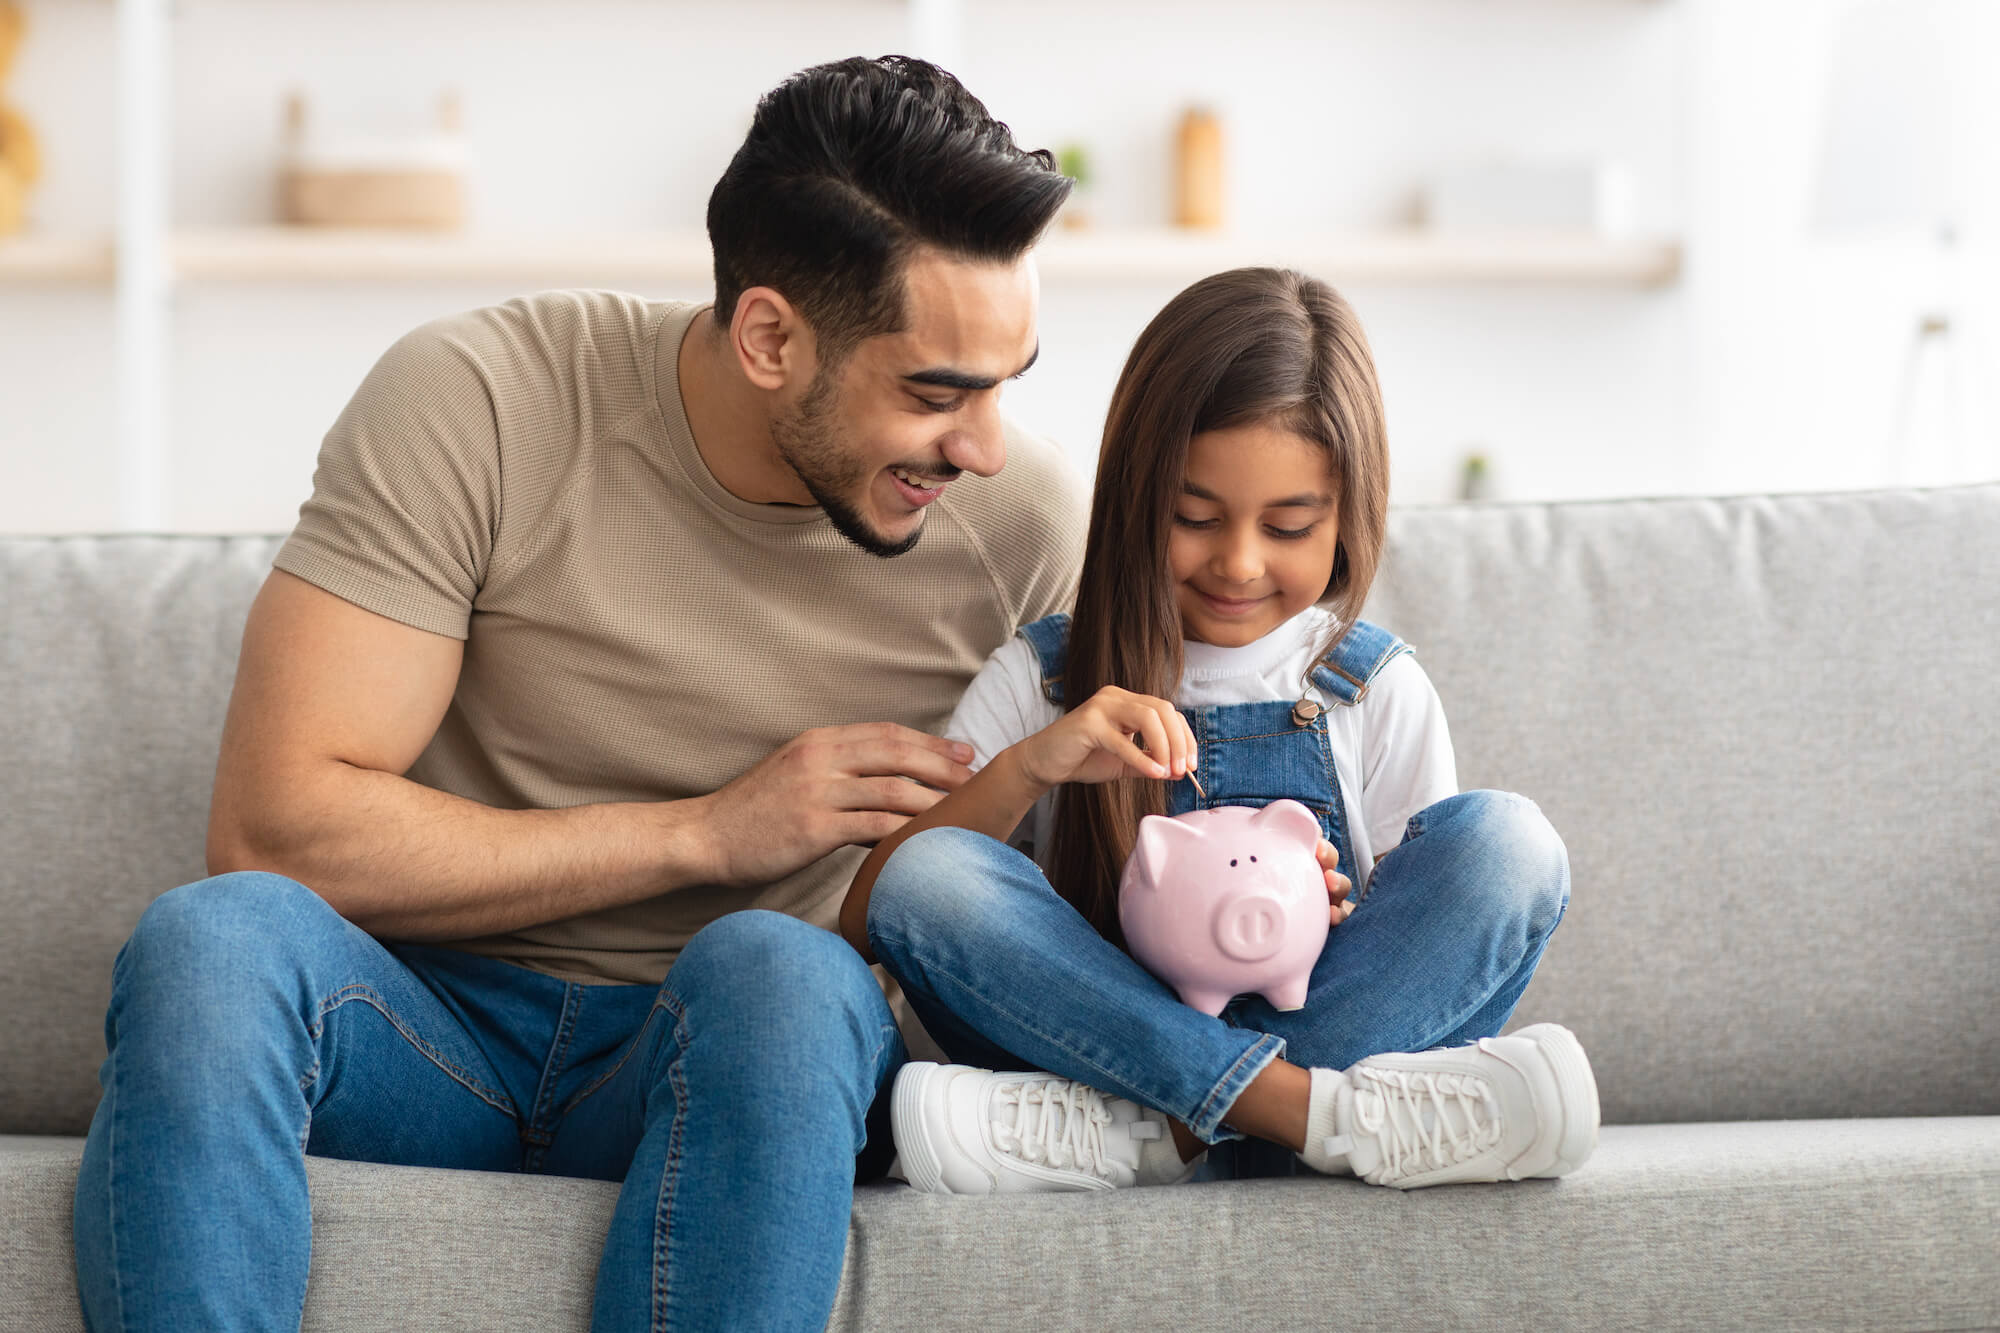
848	167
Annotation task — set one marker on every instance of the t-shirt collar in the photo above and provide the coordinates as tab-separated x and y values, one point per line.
1209	662
682	453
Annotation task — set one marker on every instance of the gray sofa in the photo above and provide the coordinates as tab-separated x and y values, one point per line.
1769	729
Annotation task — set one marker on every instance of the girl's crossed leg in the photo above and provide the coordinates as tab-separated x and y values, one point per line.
1007	975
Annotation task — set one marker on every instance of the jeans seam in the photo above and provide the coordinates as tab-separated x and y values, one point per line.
558	1052
663	1204
1255	736
631	1049
111	1204
367	995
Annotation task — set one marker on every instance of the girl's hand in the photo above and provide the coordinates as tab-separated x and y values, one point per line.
1337	885
1112	734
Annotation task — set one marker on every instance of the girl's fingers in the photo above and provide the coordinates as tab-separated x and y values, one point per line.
1184	738
1153	733
1174	735
1127	749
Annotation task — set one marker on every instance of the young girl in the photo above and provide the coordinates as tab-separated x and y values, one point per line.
1216	657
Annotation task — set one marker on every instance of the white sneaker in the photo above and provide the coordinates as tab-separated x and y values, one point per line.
1506	1108
961	1130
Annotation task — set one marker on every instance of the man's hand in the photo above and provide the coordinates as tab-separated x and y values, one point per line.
828	788
1337	885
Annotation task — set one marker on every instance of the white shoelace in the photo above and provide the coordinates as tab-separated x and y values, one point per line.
1055	1123
1392	1104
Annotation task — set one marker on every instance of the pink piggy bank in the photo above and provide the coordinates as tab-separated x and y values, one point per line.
1228	901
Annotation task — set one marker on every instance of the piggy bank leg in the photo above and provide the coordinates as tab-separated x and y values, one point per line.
1289	996
1212	1003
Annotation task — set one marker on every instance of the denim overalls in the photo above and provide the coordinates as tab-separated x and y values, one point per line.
1253	754
1256	753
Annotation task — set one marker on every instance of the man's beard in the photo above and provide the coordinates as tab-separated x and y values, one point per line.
809	440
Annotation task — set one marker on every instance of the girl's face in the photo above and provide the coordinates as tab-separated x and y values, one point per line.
1254	532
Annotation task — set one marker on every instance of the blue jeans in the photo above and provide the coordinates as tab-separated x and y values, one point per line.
1006	974
250	1025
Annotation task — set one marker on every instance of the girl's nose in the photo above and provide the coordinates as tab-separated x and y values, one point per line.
1238	560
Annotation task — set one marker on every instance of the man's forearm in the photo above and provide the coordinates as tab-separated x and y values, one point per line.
407	862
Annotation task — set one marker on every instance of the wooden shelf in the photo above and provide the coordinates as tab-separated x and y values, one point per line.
307	254
1404	255
33	257
314	254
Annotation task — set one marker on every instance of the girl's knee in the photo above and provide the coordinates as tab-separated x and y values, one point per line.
1518	855
946	877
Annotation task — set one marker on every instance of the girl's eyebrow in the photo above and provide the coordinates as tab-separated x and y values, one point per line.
1303	500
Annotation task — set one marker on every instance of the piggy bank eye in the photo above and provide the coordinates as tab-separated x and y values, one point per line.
1253	860
1232	861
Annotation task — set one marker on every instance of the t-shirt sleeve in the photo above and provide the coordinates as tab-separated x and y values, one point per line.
1406	756
1003	705
406	495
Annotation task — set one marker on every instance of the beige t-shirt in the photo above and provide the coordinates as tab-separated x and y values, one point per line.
523	477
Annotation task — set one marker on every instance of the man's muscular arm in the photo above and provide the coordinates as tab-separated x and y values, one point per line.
332	704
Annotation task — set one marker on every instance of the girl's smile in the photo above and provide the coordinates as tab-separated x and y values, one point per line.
1255	532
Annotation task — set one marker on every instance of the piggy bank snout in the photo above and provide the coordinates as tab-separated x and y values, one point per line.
1249	928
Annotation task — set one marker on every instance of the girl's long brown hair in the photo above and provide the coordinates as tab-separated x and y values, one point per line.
1250	345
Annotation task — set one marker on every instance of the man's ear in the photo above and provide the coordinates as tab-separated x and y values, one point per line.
773	344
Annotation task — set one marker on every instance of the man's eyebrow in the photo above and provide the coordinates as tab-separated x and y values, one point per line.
1303	500
944	377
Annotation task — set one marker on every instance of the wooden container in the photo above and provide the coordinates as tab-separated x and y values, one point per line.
330	182
1198	170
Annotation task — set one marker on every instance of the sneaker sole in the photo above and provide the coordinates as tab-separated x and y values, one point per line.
1575	1085
921	1165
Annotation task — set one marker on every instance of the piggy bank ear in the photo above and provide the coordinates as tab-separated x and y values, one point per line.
1161	839
1288	819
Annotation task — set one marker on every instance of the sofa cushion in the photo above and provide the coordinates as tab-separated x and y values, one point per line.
1864	1224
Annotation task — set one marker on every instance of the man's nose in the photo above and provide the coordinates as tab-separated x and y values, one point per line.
979	444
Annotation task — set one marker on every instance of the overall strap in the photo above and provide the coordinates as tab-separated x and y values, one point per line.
1363	651
1049	637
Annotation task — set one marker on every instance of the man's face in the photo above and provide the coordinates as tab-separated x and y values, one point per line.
875	439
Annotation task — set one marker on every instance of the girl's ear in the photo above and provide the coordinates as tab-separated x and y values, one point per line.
1288	819
1161	838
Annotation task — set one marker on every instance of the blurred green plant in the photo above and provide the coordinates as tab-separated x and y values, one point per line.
1073	161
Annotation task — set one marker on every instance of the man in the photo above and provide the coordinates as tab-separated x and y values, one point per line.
607	620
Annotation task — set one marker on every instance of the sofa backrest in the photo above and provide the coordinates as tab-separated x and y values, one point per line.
1765	727
1767	730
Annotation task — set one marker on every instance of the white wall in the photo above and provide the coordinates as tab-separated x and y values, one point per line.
1774	363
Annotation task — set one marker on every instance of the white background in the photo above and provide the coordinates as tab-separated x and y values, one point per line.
1777	360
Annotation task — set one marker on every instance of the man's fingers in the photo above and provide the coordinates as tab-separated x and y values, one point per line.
891	795
865	828
906	759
